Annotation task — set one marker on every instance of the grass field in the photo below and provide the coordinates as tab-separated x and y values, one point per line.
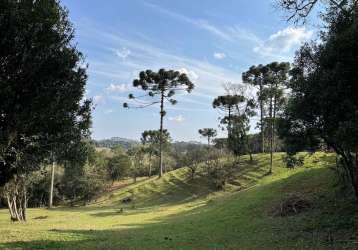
175	212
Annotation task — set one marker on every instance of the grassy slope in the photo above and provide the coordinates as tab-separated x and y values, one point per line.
178	213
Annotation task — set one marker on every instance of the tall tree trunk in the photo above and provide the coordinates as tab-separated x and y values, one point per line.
229	125
262	121
271	137
161	135
352	167
50	203
10	206
150	165
274	119
273	143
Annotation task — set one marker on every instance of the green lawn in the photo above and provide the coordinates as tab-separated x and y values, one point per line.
178	213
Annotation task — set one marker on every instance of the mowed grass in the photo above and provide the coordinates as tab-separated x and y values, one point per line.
175	212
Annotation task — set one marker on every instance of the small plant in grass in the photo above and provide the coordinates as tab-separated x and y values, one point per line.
218	171
293	161
193	158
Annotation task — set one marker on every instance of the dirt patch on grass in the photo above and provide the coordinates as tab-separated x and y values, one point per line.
291	205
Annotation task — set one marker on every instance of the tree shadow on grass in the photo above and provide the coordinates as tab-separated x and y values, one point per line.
241	220
174	190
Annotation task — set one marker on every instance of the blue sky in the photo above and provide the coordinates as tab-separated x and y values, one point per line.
212	41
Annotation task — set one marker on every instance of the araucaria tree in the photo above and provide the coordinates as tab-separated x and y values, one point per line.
255	76
227	104
208	133
42	83
276	80
161	87
237	108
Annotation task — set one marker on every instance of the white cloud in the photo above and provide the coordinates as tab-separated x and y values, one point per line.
97	99
190	73
283	41
123	53
117	88
177	119
108	111
219	55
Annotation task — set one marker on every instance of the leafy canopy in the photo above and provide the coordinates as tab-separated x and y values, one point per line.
42	83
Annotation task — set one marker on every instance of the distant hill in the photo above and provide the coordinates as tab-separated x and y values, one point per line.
129	143
116	141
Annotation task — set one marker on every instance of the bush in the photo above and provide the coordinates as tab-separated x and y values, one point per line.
293	161
218	169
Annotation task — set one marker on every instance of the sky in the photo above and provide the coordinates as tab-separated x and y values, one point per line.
211	41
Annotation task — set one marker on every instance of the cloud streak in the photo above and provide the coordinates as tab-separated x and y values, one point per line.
226	33
208	77
219	55
177	119
117	88
283	42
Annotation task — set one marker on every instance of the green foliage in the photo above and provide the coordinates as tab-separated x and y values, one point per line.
38	187
237	111
42	87
118	166
193	158
151	138
293	161
137	156
209	133
323	106
163	84
218	168
82	183
227	105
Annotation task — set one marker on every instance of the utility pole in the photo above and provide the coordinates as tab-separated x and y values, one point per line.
52	183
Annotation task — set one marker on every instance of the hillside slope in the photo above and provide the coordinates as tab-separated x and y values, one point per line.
178	213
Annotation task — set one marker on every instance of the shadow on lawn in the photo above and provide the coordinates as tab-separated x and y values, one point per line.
241	220
172	190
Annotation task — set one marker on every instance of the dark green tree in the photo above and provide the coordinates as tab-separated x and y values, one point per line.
323	105
163	84
42	83
151	139
82	183
209	133
118	166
